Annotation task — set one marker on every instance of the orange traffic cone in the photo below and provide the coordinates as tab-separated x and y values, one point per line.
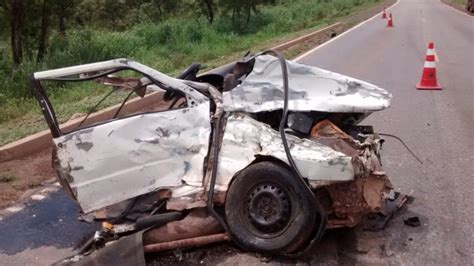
390	20
428	79
384	13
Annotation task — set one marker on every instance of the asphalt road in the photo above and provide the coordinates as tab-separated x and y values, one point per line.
43	232
437	125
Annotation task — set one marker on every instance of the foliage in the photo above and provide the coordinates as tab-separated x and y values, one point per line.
6	178
165	34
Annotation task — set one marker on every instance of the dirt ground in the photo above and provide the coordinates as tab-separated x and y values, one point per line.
19	176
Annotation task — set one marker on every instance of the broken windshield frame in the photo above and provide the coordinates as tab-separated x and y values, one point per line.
64	75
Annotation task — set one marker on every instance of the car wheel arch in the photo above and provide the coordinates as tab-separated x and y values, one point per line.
298	202
259	159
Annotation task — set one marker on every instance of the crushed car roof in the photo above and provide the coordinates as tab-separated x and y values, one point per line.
311	89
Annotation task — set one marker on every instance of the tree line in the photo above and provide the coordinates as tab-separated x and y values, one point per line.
27	25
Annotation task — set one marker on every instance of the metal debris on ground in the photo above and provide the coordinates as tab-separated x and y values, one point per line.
412	221
378	221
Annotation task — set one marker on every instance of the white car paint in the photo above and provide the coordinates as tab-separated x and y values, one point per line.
124	158
311	89
132	156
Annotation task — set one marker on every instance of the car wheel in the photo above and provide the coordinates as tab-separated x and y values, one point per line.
269	210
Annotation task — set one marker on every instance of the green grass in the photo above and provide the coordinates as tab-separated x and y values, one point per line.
169	47
459	3
6	178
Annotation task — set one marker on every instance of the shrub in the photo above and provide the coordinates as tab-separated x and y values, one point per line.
168	45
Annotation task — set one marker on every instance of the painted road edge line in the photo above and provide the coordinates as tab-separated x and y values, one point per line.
342	34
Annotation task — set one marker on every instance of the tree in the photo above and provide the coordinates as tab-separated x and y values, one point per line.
240	8
115	12
16	15
209	7
43	35
61	11
3	19
86	11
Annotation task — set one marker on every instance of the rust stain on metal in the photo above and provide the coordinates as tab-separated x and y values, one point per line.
190	242
326	128
325	132
164	193
184	203
196	224
351	200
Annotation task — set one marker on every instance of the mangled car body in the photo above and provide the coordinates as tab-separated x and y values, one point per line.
269	148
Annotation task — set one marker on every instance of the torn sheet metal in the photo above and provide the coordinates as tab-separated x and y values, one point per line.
352	200
186	243
192	95
311	89
197	223
246	138
378	221
122	159
127	250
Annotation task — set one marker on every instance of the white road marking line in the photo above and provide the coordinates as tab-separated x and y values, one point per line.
14	209
50	189
455	9
342	34
38	197
41	195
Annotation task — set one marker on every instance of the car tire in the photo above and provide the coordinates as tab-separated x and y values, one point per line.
268	209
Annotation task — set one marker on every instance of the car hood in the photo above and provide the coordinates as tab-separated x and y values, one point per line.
311	89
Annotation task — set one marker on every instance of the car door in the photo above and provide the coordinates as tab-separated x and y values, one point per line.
121	159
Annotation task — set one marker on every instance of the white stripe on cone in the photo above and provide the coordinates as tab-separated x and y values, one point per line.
433	52
429	64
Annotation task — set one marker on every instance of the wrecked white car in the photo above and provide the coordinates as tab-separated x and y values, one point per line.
265	152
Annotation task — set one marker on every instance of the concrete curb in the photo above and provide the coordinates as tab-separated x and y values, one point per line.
42	140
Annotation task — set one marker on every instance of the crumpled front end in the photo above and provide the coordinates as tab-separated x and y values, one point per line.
347	202
344	169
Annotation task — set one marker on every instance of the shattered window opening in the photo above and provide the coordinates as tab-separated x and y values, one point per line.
124	84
